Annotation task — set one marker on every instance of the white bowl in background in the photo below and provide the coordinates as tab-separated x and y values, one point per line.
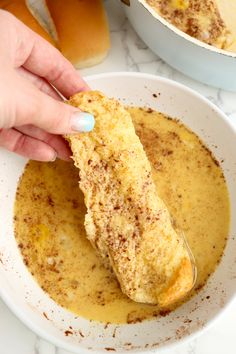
41	314
192	57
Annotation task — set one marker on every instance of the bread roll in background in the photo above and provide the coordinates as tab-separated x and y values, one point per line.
19	9
39	10
82	30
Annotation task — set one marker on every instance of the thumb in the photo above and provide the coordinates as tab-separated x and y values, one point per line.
26	104
60	118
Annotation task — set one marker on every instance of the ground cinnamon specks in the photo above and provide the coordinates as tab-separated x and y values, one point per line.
68	333
110	349
106	325
81	334
45	315
114	332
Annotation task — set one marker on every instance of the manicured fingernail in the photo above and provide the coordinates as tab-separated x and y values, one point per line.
82	122
54	157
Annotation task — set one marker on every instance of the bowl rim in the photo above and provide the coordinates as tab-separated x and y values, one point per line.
76	348
184	35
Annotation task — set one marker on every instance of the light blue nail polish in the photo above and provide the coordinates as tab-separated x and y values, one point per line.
54	157
82	122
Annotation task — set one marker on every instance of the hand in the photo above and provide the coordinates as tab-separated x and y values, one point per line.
32	114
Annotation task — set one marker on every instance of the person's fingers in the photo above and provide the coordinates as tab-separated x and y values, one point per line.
55	141
31	106
40	83
46	61
30	50
26	146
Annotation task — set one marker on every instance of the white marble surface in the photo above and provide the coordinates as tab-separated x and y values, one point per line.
129	53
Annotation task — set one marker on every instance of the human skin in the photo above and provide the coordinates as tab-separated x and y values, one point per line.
33	115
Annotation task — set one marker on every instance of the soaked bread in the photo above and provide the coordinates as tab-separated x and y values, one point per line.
199	19
126	221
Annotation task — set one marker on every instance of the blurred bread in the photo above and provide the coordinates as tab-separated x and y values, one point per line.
19	9
126	221
41	13
82	30
78	28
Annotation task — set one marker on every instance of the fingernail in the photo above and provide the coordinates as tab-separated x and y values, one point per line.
82	122
54	157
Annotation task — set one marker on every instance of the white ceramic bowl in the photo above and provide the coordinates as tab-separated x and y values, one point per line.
28	301
194	58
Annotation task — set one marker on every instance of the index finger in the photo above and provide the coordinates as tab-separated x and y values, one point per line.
39	57
47	62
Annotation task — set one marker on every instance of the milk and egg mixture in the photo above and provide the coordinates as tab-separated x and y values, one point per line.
49	220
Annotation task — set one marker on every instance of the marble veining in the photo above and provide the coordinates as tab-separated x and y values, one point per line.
129	53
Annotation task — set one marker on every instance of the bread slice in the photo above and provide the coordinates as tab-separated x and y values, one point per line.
198	18
82	30
19	9
126	221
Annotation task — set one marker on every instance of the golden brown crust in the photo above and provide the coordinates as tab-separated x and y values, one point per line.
126	221
19	9
82	30
199	19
